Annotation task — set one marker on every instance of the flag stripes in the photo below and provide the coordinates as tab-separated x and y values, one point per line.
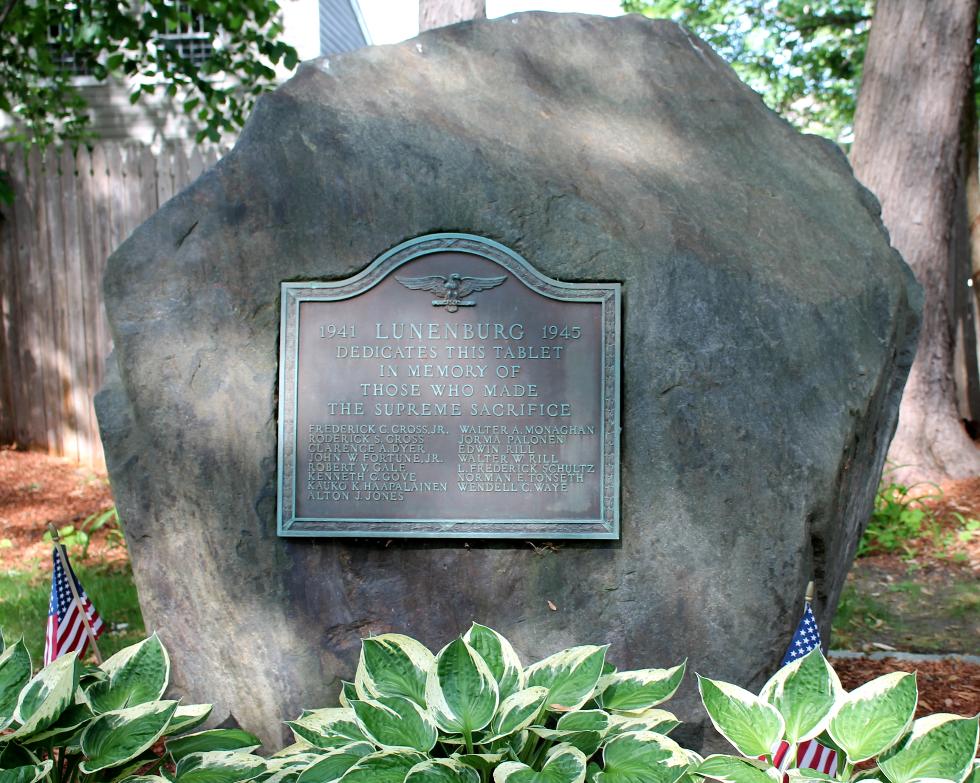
810	754
66	629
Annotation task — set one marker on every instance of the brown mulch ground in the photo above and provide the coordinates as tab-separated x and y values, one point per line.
944	686
961	497
36	489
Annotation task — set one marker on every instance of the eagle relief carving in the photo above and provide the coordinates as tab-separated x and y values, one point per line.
452	288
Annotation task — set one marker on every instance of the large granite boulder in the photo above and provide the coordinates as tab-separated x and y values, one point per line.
768	328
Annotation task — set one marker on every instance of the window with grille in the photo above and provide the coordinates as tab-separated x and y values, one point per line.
60	50
190	39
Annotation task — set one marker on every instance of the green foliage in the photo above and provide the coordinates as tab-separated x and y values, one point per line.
72	722
42	42
871	724
803	56
900	517
75	723
904	522
473	713
24	607
78	539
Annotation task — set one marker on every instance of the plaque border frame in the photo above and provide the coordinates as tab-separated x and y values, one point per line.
607	295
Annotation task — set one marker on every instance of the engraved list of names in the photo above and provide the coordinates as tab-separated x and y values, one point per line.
449	390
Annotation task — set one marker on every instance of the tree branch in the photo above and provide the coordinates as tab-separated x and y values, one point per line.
810	23
6	11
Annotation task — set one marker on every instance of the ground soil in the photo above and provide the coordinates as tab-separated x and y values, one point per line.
36	489
944	686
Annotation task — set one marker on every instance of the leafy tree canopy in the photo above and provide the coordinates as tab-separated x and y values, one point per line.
45	43
803	56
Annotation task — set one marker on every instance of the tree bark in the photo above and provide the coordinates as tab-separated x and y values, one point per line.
907	150
965	367
439	13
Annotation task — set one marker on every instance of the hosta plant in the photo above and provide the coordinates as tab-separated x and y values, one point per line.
473	713
75	722
872	726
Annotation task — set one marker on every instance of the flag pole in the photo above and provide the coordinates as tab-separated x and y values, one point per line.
809	592
74	591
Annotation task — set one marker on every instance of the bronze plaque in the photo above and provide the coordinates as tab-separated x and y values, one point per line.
449	390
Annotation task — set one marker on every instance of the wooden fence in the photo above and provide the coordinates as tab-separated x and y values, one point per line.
70	211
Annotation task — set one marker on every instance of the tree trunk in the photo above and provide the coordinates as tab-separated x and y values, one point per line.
965	367
439	13
907	150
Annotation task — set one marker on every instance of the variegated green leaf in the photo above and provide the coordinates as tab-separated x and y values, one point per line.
332	766
660	721
499	656
394	722
442	771
116	737
135	675
517	712
642	757
218	766
212	739
27	774
563	764
586	741
582	729
130	768
639	690
731	769
189	717
297	748
461	692
939	746
753	726
872	718
804	692
803	775
68	723
13	754
46	696
393	665
570	676
297	761
484	763
15	673
515	743
278	776
386	766
348	693
145	779
584	720
332	727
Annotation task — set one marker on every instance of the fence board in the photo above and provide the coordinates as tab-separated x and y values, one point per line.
165	178
147	163
70	211
75	385
29	420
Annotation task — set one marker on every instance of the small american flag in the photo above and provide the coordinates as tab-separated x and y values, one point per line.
810	754
66	630
806	638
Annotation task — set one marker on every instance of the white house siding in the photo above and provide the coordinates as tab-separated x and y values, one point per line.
341	27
